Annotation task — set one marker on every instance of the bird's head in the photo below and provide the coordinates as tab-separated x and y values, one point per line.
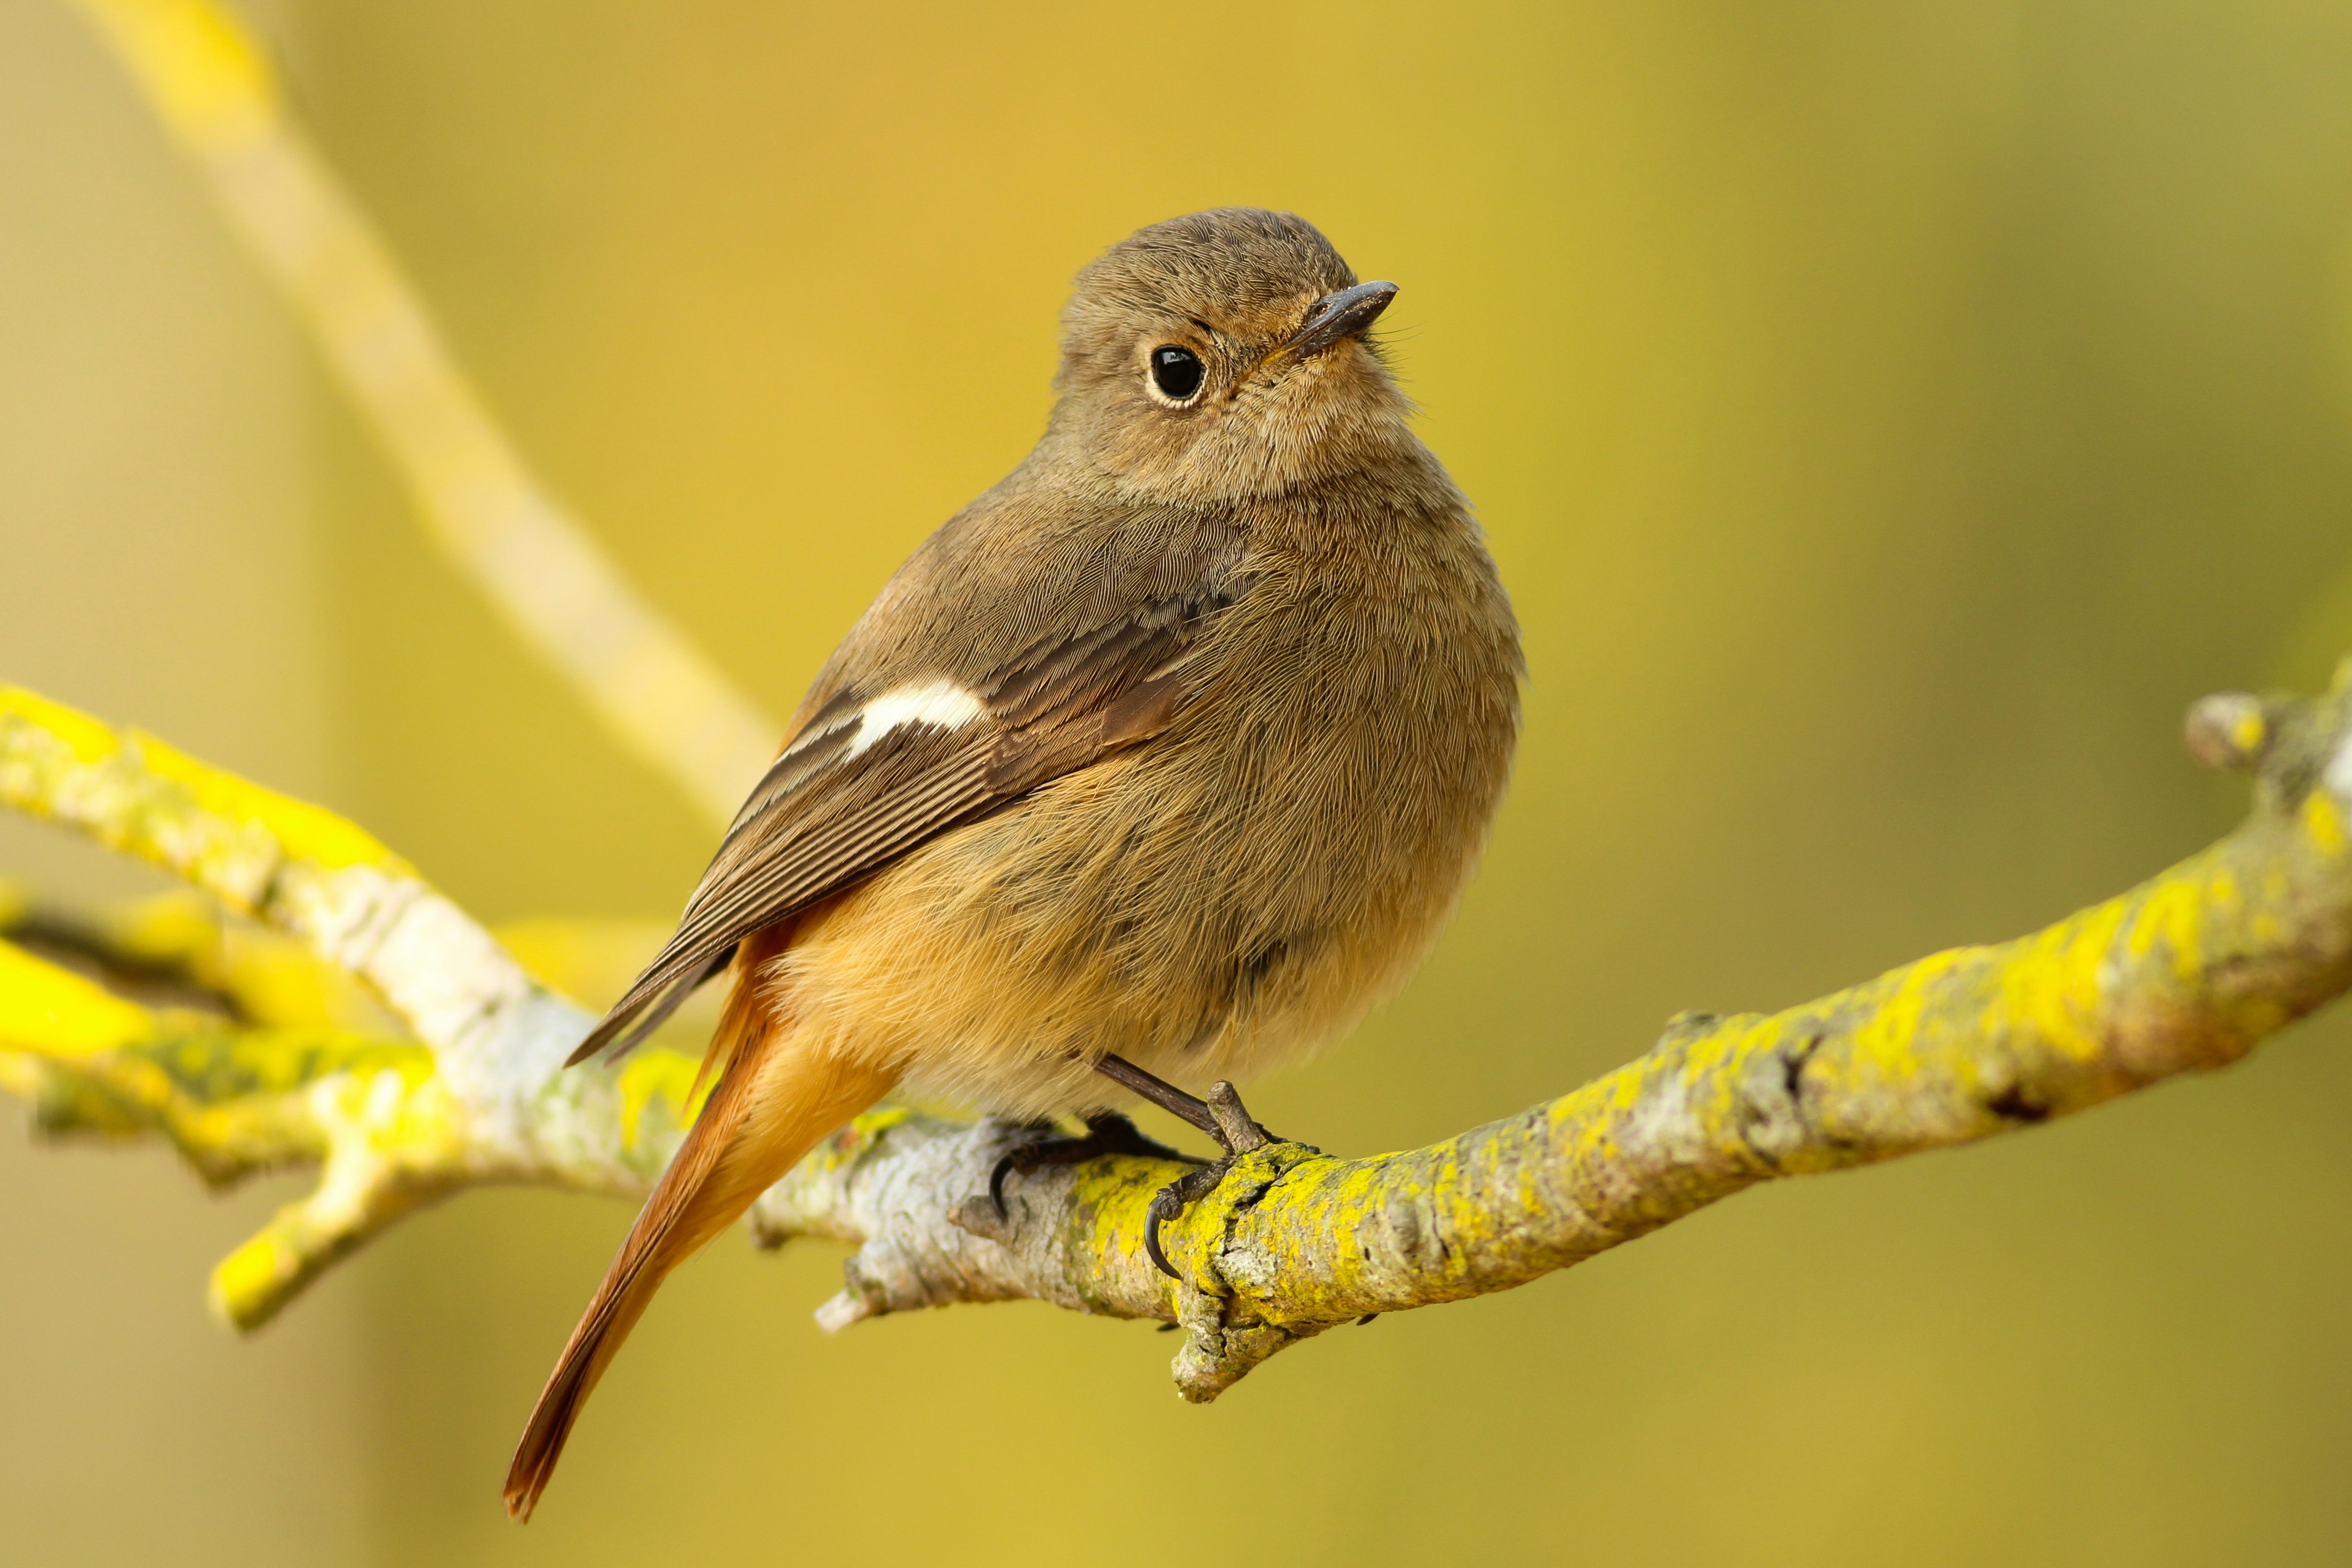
1223	355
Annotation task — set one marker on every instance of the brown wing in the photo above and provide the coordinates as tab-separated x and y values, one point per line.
878	769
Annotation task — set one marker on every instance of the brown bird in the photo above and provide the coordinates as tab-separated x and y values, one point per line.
1164	759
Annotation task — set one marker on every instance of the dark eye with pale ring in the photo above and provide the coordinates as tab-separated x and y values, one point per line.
1176	372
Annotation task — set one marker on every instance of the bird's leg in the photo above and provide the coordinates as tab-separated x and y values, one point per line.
1161	1092
1107	1133
1222	1116
1239	1134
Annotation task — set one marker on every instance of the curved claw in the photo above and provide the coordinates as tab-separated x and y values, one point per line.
1004	1164
1239	1131
1107	1133
1163	1208
1172	1200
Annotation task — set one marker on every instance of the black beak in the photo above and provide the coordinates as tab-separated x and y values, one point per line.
1338	317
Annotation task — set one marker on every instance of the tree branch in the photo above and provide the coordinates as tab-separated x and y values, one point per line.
211	83
2187	971
494	1104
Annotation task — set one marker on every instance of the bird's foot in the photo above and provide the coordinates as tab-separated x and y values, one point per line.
1232	1126
1107	1134
1222	1116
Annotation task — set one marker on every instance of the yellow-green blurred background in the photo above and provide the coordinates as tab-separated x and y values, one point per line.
1888	415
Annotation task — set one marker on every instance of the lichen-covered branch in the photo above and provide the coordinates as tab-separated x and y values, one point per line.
488	1099
2187	971
235	1099
305	872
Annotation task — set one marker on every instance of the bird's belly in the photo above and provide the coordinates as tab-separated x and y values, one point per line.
1127	909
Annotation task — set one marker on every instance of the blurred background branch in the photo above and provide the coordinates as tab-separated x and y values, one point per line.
210	81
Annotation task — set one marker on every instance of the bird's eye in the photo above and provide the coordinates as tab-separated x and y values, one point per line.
1176	372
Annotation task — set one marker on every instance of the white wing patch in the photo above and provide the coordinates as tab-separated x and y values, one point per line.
936	704
942	705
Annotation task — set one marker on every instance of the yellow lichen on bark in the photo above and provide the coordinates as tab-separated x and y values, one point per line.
300	1064
2182	973
51	1011
2185	972
235	1100
138	795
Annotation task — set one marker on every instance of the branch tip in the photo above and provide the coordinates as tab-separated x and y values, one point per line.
842	1309
2227	731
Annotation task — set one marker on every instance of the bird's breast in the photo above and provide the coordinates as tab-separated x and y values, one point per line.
1241	887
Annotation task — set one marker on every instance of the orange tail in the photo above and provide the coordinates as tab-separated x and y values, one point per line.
772	1104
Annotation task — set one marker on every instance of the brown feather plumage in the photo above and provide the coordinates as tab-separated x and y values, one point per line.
771	1101
1178	743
